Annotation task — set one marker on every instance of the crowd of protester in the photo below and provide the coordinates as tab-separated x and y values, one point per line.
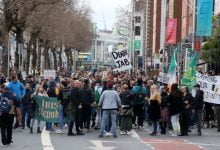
103	102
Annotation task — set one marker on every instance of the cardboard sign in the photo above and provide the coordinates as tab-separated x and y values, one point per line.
163	78
49	74
210	86
121	60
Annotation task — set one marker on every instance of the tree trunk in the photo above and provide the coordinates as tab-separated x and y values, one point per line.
5	38
39	69
19	40
60	57
46	56
54	58
27	62
34	53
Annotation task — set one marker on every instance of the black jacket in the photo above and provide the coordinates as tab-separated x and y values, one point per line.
86	96
75	97
27	97
126	98
175	104
198	100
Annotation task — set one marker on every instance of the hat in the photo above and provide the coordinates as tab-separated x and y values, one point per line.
197	86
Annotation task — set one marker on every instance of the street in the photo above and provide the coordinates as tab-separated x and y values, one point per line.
137	140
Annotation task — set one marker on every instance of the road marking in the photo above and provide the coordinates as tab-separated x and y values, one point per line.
46	141
99	146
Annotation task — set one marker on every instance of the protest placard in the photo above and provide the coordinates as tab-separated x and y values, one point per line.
210	86
122	61
49	74
163	78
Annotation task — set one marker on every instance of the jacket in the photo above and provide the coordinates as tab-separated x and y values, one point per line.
175	104
198	100
75	97
126	98
86	96
27	97
110	100
17	88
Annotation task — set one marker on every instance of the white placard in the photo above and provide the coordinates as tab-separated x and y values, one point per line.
163	78
122	61
210	86
49	74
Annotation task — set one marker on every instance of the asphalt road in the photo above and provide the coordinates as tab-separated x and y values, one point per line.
137	140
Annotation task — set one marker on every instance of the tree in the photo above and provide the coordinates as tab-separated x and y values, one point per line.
211	49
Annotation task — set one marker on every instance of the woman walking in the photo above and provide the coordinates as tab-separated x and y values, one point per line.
175	107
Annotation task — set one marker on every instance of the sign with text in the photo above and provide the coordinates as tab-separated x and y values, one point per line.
47	109
49	74
163	78
171	30
121	60
210	86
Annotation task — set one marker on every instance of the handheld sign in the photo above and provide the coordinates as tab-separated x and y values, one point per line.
122	61
49	74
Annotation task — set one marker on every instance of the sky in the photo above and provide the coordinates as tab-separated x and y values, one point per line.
106	9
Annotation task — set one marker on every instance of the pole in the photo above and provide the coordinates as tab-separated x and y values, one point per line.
9	47
194	22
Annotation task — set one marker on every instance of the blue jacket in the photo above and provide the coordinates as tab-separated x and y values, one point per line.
17	88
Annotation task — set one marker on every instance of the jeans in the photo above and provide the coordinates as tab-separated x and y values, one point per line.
48	126
32	123
198	116
107	114
139	113
154	122
98	117
25	115
175	123
61	117
217	111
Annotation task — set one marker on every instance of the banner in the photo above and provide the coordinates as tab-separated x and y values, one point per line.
47	109
204	17
163	78
210	86
189	77
121	60
49	74
171	30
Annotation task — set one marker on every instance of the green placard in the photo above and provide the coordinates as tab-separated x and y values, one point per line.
47	109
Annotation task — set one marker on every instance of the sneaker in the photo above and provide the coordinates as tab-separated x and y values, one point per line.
108	134
218	130
115	136
199	134
80	133
19	129
153	134
59	131
100	136
122	133
71	134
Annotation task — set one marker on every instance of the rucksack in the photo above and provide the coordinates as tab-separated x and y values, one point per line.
4	105
65	97
139	97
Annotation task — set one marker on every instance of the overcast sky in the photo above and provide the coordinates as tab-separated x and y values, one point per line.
106	9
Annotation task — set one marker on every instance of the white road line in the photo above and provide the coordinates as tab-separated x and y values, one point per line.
46	141
99	146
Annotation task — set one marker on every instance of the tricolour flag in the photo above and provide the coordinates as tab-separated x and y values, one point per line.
172	70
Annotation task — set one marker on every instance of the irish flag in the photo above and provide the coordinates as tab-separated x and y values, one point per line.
172	71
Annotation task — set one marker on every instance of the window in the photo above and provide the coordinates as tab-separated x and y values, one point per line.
138	19
137	30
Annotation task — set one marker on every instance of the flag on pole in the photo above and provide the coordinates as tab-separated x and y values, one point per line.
172	70
189	77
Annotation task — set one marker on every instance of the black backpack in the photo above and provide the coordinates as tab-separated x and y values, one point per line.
4	105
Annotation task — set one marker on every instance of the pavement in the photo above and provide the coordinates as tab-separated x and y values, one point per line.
137	140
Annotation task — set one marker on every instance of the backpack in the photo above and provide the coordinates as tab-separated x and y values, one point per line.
139	97
65	97
4	105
